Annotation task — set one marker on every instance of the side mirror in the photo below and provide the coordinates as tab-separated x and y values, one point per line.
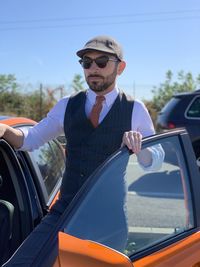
75	252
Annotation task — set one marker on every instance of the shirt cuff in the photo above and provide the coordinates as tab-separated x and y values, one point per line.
158	156
25	133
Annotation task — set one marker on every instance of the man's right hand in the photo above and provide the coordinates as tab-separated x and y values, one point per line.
13	136
2	129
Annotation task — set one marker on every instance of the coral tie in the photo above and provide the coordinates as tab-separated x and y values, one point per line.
96	109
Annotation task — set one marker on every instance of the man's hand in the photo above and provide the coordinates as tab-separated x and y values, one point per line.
13	136
2	129
132	140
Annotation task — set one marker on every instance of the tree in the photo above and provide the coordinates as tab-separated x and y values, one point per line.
77	83
7	83
163	93
10	97
37	103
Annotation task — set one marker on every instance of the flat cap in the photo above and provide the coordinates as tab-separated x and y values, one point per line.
102	43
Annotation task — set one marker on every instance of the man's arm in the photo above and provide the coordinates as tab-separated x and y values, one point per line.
13	136
150	158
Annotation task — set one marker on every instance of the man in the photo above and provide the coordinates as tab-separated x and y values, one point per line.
91	139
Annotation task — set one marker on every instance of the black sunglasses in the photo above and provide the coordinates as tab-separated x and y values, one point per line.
101	62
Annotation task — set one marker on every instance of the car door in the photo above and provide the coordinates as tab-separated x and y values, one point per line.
15	192
46	165
148	214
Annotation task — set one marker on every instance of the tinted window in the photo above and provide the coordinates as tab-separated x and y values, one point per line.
131	208
50	161
59	153
194	109
170	105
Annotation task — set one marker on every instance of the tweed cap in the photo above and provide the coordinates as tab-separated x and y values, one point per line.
102	43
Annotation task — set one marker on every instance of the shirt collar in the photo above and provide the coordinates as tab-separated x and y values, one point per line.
110	97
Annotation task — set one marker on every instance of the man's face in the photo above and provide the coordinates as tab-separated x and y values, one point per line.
101	79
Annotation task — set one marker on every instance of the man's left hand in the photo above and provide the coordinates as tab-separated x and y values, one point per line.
132	140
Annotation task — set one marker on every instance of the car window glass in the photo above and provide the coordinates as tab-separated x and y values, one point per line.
131	208
59	153
194	109
50	161
170	105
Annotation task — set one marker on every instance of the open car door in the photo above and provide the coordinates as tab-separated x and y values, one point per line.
138	215
16	218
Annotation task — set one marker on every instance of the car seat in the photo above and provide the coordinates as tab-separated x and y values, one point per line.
6	224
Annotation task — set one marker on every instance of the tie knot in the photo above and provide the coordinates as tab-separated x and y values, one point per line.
100	99
96	110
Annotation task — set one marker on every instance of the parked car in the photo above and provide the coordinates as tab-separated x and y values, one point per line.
183	110
125	215
29	184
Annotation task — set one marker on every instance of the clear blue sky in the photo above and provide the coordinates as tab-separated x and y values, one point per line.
39	39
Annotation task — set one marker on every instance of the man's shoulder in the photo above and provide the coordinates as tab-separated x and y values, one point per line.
130	98
78	94
127	97
76	99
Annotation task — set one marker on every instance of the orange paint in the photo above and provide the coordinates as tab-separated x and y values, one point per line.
55	199
17	121
75	252
185	253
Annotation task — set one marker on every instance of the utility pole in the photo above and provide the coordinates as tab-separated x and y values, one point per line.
40	112
133	89
61	91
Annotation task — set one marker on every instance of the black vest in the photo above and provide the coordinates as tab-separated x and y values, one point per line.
88	147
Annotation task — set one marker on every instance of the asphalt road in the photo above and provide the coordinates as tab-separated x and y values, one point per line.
156	205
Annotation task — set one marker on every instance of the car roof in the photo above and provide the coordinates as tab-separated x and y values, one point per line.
16	121
196	92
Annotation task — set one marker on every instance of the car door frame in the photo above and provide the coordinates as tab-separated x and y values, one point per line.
21	188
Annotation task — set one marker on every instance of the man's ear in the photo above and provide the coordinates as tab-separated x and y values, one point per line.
121	67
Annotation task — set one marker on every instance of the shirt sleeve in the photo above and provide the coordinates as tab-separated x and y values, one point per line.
158	155
48	128
141	120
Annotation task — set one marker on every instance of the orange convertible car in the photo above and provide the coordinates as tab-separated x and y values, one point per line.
125	215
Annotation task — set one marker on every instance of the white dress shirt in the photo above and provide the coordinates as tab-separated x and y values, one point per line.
53	125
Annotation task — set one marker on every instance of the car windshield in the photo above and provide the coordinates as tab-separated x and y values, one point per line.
131	208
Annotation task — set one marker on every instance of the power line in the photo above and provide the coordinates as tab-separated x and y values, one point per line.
98	24
101	17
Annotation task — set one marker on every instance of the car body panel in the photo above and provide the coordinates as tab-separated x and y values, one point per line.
74	252
17	121
184	253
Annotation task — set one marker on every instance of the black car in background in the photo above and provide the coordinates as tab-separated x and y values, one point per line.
183	110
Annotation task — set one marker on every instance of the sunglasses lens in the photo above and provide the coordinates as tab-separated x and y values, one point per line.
102	61
86	62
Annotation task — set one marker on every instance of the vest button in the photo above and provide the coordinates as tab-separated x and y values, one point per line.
82	174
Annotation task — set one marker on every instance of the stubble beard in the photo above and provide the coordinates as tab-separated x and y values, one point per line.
100	86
